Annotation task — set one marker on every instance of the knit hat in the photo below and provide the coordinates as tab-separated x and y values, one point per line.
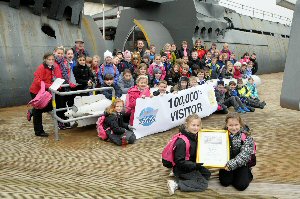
79	40
238	64
244	63
108	54
240	81
127	54
157	70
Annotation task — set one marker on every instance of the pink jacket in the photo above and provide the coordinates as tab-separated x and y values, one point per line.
161	67
132	95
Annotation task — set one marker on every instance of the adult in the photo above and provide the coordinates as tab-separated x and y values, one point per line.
199	48
226	50
255	64
140	47
46	73
79	49
184	51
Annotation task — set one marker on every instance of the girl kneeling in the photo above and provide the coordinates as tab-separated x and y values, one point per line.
190	176
237	173
116	129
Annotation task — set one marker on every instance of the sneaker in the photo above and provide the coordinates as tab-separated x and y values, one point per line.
172	186
246	109
61	126
240	110
29	115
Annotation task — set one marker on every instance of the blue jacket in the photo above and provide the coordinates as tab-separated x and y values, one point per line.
108	93
108	69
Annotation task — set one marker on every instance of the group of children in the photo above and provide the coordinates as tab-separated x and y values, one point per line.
133	74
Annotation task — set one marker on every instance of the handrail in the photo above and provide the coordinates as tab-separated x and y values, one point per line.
234	5
55	116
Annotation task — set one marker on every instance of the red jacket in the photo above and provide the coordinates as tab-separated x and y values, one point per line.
43	73
237	74
133	94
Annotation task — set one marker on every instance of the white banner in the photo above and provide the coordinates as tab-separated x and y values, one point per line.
161	113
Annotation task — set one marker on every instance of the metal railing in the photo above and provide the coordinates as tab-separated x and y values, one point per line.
55	110
254	12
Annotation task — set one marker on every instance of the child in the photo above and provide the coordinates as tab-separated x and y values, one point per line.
185	59
141	90
152	53
70	56
193	81
173	75
136	60
207	59
141	70
157	64
237	70
244	94
249	69
108	68
157	78
185	71
162	88
88	61
236	171
223	102
83	75
184	51
228	71
45	72
231	92
146	59
190	176
166	62
175	51
252	88
199	49
117	130
215	68
183	83
126	63
125	81
95	65
195	63
200	77
207	74
232	58
243	69
109	82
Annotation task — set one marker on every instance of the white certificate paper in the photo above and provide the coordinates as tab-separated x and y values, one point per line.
213	148
56	84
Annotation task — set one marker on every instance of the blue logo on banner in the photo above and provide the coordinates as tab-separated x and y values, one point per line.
147	116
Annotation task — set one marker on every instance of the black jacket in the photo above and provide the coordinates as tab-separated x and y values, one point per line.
181	54
115	122
255	66
182	165
197	62
82	75
172	77
108	93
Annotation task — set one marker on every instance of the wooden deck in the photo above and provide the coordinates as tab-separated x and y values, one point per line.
82	166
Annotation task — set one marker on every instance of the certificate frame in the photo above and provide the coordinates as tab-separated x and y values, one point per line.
205	143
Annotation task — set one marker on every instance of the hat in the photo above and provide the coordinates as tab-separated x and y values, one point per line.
146	56
220	82
244	63
157	70
127	54
107	54
240	81
238	64
79	40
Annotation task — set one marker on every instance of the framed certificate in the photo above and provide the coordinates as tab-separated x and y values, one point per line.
213	148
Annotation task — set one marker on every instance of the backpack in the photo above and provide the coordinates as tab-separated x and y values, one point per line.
252	161
102	70
42	99
100	128
168	152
